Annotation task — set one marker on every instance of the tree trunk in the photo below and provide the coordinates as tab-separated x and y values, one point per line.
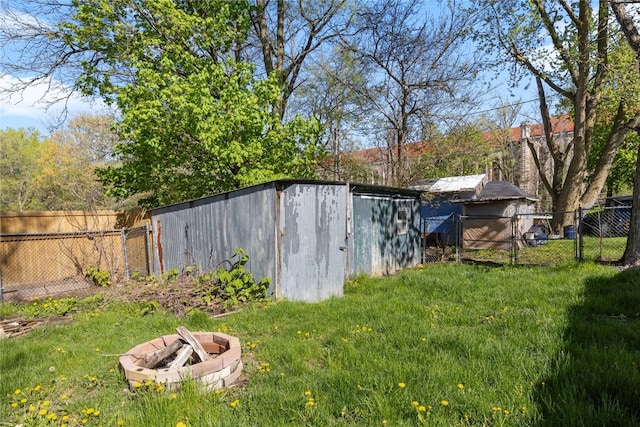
632	252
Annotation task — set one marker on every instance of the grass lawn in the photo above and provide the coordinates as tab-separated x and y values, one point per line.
442	345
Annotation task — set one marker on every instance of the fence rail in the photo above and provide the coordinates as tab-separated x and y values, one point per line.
38	264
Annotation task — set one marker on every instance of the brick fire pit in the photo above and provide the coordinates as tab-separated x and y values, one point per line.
212	359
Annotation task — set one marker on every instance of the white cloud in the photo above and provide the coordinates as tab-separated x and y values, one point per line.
40	105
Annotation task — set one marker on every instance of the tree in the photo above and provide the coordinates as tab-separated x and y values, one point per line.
566	47
19	152
287	33
417	69
69	160
58	172
339	109
462	151
195	120
631	254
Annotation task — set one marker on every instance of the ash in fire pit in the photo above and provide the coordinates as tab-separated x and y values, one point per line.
212	359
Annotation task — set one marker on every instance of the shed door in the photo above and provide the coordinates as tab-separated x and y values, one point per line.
312	243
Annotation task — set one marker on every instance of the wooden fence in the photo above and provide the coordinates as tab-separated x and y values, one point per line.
42	253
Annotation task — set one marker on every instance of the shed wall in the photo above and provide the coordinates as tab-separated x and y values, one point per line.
378	246
205	232
313	241
490	225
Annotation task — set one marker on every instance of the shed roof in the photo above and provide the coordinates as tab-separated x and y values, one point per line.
451	184
501	190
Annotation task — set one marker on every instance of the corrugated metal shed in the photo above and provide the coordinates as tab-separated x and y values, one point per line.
302	234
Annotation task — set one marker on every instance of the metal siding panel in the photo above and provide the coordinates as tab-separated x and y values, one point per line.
313	226
362	232
206	232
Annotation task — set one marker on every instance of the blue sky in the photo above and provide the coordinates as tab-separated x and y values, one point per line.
32	109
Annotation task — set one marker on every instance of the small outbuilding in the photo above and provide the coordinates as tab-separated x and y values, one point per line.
306	236
441	205
499	215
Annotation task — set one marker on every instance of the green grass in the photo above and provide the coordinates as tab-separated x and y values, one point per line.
443	345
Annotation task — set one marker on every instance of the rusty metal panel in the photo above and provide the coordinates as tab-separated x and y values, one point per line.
204	232
313	240
386	233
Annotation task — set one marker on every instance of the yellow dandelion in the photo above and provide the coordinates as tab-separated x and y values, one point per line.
384	422
89	411
461	386
234	403
421	408
415	403
96	413
137	384
84	421
506	412
402	385
307	393
181	424
37	388
174	395
46	403
120	422
32	408
444	402
14	404
64	396
18	391
65	418
43	412
23	400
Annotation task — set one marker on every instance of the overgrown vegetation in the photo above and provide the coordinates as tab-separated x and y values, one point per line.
229	286
442	345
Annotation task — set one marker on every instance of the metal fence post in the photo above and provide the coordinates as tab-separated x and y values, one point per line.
125	257
457	218
514	240
147	249
578	225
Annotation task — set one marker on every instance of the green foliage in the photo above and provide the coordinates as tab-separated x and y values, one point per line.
98	276
234	286
624	83
195	121
462	151
60	306
56	173
19	152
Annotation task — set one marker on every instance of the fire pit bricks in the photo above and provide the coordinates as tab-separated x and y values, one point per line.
221	370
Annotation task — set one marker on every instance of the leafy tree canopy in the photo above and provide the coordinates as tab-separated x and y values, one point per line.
195	120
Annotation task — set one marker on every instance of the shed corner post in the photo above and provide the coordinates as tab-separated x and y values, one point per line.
347	240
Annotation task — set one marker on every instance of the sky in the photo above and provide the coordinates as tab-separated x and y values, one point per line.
32	109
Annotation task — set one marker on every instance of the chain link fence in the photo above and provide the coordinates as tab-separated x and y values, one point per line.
42	264
603	232
599	234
